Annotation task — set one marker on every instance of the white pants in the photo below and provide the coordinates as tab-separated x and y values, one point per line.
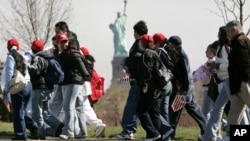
90	115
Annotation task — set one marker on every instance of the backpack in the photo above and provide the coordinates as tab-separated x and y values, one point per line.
55	75
162	74
97	86
18	81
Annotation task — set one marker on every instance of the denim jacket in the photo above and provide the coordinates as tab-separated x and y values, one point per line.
9	68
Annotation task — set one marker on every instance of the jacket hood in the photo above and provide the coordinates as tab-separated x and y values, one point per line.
47	54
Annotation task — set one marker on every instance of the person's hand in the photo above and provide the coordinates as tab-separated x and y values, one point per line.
6	101
180	92
124	78
145	89
214	65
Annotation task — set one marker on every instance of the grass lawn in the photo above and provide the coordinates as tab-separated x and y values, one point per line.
183	133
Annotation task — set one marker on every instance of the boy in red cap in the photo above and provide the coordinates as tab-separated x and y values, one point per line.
42	90
20	100
148	109
162	48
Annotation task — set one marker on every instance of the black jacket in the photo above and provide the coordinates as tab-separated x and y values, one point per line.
146	67
182	71
239	62
38	68
74	69
133	59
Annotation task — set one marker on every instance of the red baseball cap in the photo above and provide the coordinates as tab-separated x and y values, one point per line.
12	42
159	38
61	37
145	39
37	45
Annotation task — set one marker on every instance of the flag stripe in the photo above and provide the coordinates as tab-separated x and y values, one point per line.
178	103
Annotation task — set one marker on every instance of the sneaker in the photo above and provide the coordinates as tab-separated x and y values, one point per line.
200	138
99	131
122	136
19	138
59	129
218	138
65	137
224	127
225	138
34	132
152	139
80	137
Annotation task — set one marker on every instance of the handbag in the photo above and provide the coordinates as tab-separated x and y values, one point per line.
213	88
17	83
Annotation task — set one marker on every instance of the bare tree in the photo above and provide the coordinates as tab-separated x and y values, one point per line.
232	9
28	20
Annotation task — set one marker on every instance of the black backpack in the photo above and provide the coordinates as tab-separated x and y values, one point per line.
162	74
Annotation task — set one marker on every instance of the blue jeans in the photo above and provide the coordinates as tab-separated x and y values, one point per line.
207	104
166	128
81	117
41	113
21	120
130	119
70	93
165	101
192	109
57	102
57	110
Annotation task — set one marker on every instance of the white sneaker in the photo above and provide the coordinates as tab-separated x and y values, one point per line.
218	138
99	131
152	139
65	137
225	138
122	136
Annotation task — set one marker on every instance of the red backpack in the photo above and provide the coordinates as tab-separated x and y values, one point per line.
97	86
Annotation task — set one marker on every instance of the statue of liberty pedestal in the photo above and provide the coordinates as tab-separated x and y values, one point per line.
119	30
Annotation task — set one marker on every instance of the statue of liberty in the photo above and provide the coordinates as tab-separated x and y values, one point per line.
119	30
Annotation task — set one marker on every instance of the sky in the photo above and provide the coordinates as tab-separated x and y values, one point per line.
192	20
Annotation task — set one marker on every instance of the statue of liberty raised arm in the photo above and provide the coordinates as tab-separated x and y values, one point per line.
119	30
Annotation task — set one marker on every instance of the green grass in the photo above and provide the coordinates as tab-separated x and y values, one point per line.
183	133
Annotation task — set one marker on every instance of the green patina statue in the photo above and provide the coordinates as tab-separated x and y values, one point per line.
119	30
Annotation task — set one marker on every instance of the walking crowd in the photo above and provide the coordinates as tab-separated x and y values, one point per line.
64	109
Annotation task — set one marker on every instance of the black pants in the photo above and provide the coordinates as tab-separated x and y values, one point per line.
148	111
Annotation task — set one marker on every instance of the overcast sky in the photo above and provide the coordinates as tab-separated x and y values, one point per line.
190	19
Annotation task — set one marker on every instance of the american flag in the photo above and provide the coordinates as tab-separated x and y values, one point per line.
178	103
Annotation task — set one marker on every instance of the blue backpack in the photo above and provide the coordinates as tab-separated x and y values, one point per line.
55	75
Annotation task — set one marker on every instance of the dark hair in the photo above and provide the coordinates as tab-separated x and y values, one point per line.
172	52
72	44
62	26
223	39
141	28
215	45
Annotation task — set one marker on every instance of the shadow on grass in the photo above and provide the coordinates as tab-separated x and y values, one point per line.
6	133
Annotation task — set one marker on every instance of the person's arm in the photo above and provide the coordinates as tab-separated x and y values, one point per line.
10	68
9	71
244	57
77	58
